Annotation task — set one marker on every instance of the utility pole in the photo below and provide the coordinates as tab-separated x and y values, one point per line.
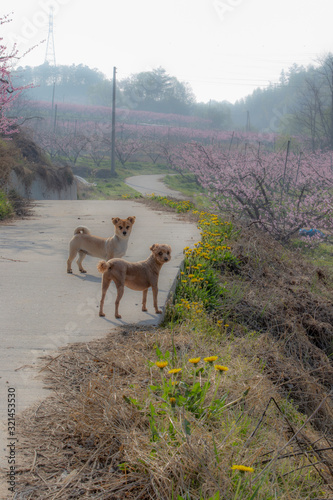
248	121
55	118
113	130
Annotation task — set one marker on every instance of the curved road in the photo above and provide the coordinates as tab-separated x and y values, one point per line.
148	184
43	308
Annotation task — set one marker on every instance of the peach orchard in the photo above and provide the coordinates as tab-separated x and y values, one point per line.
247	174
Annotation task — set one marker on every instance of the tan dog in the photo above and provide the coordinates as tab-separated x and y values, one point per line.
134	275
84	243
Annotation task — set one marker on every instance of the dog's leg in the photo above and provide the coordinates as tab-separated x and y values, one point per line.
71	257
155	292
120	293
105	285
144	300
69	266
79	261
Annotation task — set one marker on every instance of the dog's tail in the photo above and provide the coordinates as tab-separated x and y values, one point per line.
103	266
81	230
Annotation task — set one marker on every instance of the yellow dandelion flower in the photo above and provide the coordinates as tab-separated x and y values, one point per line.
174	382
175	370
172	401
242	468
194	361
210	359
221	368
161	364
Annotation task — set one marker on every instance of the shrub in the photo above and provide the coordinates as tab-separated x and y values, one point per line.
6	208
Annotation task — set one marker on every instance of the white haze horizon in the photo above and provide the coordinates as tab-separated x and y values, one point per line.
224	49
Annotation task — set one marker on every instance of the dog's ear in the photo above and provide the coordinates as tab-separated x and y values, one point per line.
152	248
115	220
131	219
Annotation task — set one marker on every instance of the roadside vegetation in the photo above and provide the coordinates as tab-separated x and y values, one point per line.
228	399
102	187
6	208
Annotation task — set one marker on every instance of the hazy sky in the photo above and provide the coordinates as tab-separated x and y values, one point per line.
223	48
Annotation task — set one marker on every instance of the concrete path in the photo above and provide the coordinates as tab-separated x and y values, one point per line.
148	184
42	307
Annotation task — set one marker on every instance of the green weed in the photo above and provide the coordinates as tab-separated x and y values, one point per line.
6	208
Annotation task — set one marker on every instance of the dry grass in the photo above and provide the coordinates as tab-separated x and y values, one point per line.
89	441
289	301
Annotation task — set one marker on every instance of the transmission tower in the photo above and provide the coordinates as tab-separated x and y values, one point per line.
50	51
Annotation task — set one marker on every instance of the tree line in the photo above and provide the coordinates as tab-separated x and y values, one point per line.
152	91
301	103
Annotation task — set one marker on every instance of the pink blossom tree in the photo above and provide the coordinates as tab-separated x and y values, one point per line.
128	142
280	192
97	149
8	92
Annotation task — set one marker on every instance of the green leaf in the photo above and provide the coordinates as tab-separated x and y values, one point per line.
187	427
196	388
158	352
152	410
214	497
132	401
215	451
181	400
154	387
255	492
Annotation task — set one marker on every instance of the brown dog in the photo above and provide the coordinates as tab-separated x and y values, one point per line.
84	243
134	275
